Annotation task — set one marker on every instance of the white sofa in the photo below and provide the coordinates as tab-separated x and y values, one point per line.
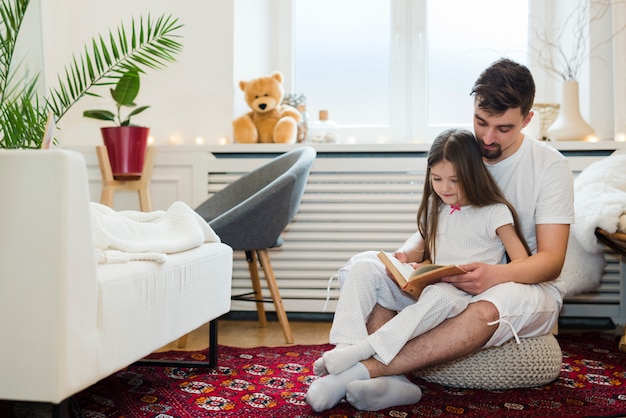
65	321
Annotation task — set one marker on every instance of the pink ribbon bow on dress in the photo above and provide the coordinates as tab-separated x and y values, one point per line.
454	208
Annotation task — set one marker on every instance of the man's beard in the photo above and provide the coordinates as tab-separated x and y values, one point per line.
492	153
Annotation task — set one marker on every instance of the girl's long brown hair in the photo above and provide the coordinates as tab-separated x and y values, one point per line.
459	147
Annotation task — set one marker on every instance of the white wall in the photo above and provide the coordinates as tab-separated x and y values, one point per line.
226	41
190	98
619	74
254	29
596	78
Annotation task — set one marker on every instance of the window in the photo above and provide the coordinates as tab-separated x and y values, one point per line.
399	70
340	61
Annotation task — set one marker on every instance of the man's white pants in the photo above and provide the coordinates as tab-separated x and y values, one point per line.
526	310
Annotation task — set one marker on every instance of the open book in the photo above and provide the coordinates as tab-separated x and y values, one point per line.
413	281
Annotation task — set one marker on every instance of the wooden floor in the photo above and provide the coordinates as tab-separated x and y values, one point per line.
240	333
248	333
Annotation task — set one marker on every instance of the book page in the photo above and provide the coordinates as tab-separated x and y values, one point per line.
432	273
413	281
425	268
400	271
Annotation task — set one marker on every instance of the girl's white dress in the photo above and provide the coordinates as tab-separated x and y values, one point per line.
464	236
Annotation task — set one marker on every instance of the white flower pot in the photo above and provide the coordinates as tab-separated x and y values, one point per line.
569	124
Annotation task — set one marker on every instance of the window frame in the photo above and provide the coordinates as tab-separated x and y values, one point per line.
408	111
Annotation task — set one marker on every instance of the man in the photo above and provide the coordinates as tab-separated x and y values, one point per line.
510	299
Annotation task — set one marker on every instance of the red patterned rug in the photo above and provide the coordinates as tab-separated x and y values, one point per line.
273	381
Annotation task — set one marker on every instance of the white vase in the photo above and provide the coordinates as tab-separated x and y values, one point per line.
569	124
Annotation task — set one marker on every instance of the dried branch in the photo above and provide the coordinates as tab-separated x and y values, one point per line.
566	63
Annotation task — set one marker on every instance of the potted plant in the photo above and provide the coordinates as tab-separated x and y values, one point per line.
147	43
125	143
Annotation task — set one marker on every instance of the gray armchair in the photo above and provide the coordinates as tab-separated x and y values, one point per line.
250	214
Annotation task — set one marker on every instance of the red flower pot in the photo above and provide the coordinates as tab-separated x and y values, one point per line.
126	146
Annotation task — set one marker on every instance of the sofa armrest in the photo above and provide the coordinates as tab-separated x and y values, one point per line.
48	289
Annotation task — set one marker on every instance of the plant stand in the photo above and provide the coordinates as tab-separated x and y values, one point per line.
110	185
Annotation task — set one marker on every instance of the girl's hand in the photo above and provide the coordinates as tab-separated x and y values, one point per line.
401	256
404	258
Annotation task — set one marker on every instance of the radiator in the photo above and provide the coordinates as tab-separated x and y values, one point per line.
356	201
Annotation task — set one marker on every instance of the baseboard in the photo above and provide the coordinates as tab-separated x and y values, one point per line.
564	322
586	323
271	316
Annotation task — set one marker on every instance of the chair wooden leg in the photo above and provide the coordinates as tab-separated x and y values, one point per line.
275	292
182	341
622	342
256	286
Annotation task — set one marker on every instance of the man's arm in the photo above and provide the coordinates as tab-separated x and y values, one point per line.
541	267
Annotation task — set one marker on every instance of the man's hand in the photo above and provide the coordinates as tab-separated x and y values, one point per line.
479	278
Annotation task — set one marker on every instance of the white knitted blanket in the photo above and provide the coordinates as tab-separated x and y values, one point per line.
599	201
124	236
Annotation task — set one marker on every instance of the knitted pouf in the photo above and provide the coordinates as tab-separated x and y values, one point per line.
536	361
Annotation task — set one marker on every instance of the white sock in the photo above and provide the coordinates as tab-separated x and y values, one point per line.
382	392
319	368
340	359
327	391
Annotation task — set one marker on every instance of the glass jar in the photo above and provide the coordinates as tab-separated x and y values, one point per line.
323	130
303	125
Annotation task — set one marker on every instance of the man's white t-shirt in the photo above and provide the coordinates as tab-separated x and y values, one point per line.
538	182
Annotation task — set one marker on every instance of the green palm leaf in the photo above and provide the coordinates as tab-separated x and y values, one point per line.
151	44
23	123
148	44
22	116
11	15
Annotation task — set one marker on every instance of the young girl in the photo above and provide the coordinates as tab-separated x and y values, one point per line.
463	218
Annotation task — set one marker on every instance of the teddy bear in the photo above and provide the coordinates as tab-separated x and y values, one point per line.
269	121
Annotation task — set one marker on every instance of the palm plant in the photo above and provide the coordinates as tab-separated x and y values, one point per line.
147	44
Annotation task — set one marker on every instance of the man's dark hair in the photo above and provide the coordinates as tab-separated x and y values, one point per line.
504	85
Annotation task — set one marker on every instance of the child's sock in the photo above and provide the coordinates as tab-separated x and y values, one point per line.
319	368
340	359
327	391
382	392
